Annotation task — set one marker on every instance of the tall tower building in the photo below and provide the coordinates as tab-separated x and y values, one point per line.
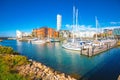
59	22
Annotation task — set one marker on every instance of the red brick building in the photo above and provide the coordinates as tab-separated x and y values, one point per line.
45	32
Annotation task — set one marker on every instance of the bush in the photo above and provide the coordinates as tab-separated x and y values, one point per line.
20	60
9	76
7	67
7	50
15	60
9	63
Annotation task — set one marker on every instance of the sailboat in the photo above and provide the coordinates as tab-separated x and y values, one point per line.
74	45
37	41
96	42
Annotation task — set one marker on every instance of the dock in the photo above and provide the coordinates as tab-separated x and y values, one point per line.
94	50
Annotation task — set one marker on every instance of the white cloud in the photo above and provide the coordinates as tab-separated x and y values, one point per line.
111	27
80	27
84	28
68	26
114	23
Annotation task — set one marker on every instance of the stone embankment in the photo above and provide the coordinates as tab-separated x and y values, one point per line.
38	71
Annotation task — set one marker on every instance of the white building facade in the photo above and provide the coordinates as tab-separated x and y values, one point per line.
85	34
20	34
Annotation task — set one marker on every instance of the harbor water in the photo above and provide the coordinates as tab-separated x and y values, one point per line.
105	66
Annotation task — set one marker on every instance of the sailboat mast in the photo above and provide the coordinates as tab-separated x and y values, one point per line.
73	15
73	21
96	26
76	19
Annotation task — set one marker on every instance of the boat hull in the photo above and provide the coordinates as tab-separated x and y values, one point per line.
71	48
38	42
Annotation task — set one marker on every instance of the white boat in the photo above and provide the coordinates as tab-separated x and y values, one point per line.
1	40
55	40
48	40
30	40
71	46
38	42
95	44
98	43
74	44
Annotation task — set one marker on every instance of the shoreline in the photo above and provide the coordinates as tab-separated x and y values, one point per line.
37	70
33	70
29	69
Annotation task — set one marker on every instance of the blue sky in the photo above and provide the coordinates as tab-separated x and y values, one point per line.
25	15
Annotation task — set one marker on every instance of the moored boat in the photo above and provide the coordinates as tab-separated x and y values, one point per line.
1	40
71	46
48	40
38	42
55	40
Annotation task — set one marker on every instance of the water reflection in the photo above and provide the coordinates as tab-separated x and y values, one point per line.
19	45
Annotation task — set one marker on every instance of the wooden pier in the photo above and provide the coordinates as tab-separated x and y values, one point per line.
94	50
